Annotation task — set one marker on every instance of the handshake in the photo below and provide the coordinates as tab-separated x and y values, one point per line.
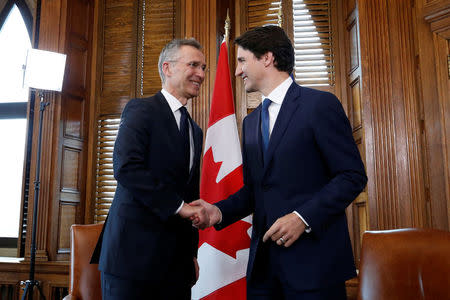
284	232
201	213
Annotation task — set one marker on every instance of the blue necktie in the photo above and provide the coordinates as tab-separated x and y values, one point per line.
184	130
265	123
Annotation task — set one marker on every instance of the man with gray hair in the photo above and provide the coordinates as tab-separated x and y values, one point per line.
148	247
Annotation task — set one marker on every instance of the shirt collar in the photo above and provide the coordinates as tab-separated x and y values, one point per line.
171	100
278	94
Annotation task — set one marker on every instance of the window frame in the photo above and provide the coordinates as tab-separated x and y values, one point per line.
288	26
19	110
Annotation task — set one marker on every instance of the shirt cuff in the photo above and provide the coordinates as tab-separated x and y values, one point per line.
220	220
307	229
179	208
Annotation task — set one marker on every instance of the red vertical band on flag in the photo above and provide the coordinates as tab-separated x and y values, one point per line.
222	98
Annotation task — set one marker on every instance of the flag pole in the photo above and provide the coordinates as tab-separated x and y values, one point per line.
280	15
227	27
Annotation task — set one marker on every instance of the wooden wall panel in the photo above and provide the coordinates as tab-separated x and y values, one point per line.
77	64
80	29
74	132
357	214
203	16
432	52
159	29
387	197
73	113
67	217
70	169
443	71
118	75
390	115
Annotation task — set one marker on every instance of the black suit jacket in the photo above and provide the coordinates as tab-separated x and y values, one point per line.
143	238
313	166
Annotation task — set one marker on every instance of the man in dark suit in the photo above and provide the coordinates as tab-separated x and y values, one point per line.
149	246
301	170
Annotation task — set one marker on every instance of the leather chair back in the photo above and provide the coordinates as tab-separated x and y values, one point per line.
84	277
405	264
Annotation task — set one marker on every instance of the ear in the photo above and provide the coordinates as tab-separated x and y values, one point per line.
268	59
166	69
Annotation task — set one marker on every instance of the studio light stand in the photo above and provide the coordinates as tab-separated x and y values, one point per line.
44	71
31	282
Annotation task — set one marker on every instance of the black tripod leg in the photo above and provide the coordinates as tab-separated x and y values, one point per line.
40	290
29	290
26	290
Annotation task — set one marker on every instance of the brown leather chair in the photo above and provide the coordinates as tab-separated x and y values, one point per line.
84	277
407	264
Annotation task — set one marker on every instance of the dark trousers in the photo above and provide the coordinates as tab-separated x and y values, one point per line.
267	282
117	288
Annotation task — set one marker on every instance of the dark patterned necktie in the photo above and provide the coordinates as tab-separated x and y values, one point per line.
184	130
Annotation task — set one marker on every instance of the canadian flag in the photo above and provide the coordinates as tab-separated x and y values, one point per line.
222	255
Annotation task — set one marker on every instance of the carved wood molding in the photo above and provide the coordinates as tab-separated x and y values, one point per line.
437	13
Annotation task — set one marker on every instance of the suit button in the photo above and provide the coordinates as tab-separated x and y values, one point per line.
265	187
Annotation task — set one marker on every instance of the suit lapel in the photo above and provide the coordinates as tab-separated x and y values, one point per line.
170	124
290	104
253	134
197	136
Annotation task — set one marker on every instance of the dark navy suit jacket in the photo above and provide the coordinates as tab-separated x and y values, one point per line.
143	238
313	166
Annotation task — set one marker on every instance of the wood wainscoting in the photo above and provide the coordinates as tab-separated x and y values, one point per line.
53	278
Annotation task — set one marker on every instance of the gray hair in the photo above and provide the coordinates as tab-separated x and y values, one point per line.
170	51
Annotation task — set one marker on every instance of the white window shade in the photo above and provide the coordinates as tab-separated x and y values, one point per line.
44	70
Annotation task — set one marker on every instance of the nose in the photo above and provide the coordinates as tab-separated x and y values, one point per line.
201	73
238	71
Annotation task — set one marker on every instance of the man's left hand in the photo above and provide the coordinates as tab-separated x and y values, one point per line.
286	230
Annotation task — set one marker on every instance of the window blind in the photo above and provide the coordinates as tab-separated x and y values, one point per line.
159	29
313	42
262	12
105	184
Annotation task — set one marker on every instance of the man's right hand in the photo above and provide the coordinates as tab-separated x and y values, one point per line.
214	213
198	213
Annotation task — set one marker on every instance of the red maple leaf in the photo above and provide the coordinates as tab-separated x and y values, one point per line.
213	192
229	240
234	237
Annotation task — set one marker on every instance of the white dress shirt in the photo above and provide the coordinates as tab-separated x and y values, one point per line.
175	106
277	97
